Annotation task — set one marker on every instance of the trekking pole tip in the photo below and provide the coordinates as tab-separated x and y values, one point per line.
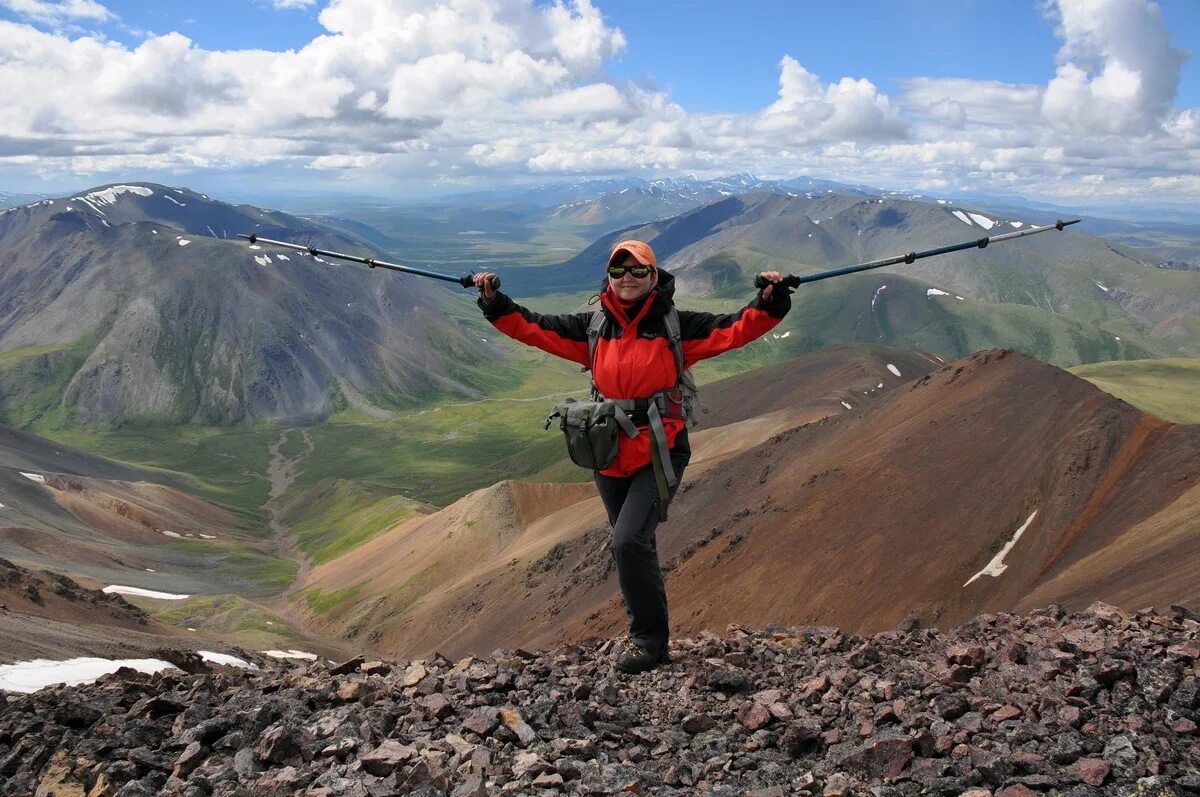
252	237
1060	223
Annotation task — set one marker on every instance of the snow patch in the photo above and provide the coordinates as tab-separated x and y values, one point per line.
109	195
90	204
1101	287
847	406
226	659
208	536
935	292
941	201
880	385
176	201
184	242
875	298
982	221
255	246
262	260
283	257
148	570
144	593
154	231
1115	337
1017	224
30	676
893	369
172	534
34	477
958	214
996	566
290	654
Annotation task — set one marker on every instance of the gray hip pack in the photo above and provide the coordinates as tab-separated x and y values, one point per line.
593	430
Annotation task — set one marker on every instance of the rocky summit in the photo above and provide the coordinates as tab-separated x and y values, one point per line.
1101	702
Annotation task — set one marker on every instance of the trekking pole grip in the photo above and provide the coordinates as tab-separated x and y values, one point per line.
790	281
469	281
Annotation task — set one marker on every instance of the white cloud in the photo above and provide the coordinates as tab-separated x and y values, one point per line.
807	110
1118	72
287	5
485	90
51	12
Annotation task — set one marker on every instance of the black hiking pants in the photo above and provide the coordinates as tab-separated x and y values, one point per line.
632	504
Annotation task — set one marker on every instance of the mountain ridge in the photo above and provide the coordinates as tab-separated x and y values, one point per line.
130	320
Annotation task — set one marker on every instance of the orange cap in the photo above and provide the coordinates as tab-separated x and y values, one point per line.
640	250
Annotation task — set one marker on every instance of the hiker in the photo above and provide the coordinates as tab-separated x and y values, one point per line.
635	363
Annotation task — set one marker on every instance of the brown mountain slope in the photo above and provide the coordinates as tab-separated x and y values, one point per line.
104	522
853	517
454	580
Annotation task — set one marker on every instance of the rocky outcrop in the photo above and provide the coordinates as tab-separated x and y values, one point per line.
1096	703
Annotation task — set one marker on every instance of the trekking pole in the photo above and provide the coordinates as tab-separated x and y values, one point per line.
465	281
793	281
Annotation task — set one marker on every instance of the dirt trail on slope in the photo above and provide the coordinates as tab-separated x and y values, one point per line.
281	472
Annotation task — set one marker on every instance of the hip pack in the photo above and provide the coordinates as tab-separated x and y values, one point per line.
593	430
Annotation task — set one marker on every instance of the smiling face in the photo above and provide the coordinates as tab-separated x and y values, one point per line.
629	288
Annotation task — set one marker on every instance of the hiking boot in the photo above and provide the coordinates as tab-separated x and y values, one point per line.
636	659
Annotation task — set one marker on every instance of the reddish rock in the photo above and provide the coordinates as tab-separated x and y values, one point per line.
1091	771
384	759
754	716
880	758
426	773
1070	715
1017	791
1006	713
482	721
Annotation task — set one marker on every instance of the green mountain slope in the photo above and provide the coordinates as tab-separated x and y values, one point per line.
1168	388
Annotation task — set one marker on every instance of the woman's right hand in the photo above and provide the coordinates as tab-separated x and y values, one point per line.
483	281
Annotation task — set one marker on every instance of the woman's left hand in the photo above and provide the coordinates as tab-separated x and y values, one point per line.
770	276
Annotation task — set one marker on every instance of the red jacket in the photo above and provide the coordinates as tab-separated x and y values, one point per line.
634	357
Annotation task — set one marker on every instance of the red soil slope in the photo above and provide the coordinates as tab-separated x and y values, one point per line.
860	519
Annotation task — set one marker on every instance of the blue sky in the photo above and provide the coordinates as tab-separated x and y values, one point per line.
720	57
1051	99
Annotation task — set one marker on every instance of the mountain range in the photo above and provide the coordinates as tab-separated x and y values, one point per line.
1088	298
136	303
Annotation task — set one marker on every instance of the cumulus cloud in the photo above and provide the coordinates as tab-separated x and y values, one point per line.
808	111
55	12
1117	72
488	90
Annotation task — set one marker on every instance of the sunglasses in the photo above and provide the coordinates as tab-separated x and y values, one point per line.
639	271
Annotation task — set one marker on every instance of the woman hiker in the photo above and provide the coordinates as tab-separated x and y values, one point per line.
633	358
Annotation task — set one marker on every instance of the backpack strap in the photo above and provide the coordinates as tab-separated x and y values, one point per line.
671	323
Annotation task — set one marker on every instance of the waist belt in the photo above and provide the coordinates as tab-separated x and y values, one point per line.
650	411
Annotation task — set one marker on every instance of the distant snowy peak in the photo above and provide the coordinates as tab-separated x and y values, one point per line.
118	204
668	196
